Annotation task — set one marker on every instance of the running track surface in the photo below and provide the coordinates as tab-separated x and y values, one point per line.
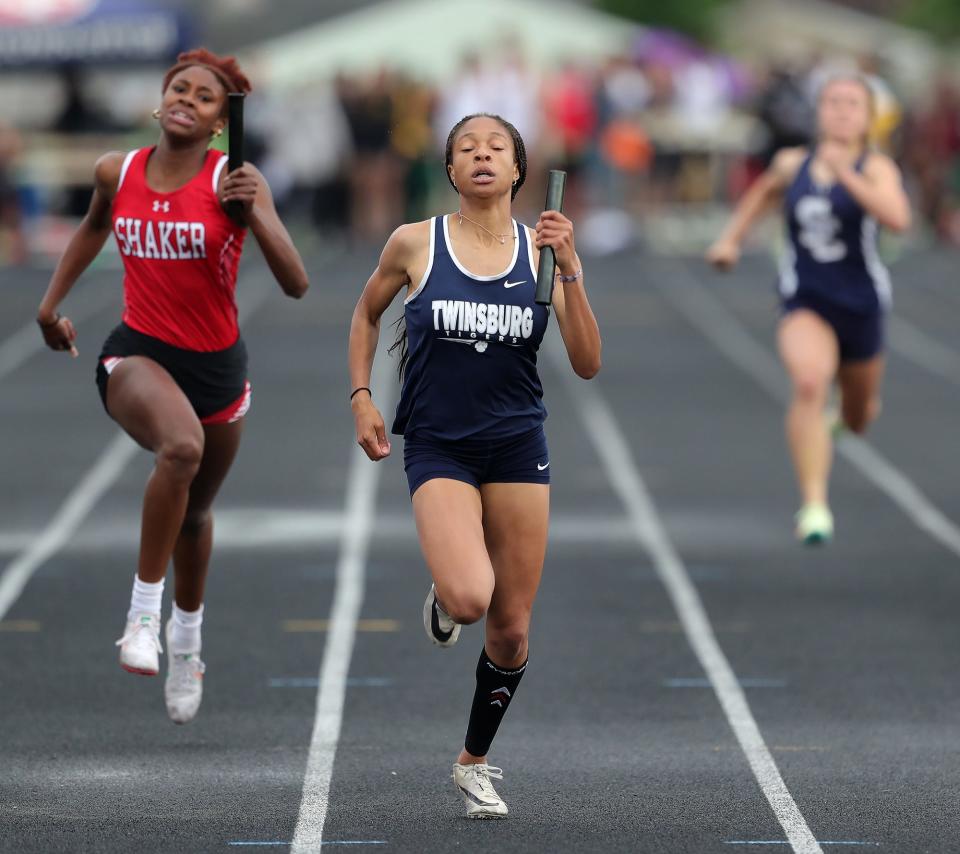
846	657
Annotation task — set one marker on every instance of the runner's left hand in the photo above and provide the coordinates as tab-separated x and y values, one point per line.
556	231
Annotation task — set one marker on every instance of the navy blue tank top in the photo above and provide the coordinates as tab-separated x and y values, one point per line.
831	251
473	341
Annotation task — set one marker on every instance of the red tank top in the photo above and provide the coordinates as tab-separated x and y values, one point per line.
180	256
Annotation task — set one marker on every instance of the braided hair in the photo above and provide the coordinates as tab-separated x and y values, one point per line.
520	158
519	149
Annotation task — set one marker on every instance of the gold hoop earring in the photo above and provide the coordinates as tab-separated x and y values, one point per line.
156	113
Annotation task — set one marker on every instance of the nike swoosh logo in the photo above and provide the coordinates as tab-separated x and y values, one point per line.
542	468
438	633
475	799
513	284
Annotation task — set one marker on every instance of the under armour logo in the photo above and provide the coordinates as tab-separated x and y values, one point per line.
500	697
161	206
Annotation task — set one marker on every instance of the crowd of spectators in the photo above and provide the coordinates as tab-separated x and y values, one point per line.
664	126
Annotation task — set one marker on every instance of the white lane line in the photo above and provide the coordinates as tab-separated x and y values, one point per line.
617	459
745	682
27	341
272	529
362	480
782	842
113	460
71	514
721	327
292	528
313	682
333	842
915	345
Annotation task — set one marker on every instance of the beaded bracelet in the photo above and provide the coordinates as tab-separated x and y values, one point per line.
573	278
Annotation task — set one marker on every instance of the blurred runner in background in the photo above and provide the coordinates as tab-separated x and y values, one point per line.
834	289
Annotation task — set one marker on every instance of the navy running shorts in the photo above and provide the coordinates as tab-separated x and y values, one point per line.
860	335
516	459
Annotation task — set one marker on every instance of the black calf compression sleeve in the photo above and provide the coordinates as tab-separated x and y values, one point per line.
495	689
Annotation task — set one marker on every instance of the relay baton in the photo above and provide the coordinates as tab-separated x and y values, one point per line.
548	261
235	146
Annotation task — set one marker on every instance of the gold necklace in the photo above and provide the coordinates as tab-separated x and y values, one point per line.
501	237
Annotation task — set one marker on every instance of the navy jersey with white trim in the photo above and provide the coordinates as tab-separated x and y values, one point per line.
473	341
832	247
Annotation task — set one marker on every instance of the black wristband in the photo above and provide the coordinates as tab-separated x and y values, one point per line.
52	323
356	391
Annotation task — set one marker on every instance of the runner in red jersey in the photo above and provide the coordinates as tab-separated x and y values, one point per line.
173	374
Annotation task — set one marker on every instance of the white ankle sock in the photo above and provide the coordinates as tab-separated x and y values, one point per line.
146	597
185	630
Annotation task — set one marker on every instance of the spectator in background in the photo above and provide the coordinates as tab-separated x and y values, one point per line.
412	141
786	110
887	113
13	245
571	115
702	97
623	148
932	155
374	174
470	91
78	116
518	92
305	164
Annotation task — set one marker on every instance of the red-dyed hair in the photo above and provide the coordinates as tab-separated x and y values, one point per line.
226	69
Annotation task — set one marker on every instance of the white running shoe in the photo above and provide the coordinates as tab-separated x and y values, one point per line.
814	524
473	784
437	623
183	689
140	645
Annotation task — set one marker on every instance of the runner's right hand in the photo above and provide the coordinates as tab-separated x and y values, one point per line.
724	255
60	335
371	432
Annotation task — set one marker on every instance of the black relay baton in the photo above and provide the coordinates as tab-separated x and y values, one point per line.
548	261
235	146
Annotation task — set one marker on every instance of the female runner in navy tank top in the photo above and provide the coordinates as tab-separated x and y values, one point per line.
173	373
834	289
471	411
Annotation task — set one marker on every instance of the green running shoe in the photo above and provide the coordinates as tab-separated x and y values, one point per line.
835	423
814	524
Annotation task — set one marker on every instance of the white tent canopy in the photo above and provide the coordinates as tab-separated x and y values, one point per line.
428	39
787	28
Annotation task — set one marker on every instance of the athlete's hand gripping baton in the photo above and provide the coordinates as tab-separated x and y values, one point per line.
235	147
548	262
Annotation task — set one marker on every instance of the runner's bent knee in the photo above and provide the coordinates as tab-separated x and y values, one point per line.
180	456
465	605
810	386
